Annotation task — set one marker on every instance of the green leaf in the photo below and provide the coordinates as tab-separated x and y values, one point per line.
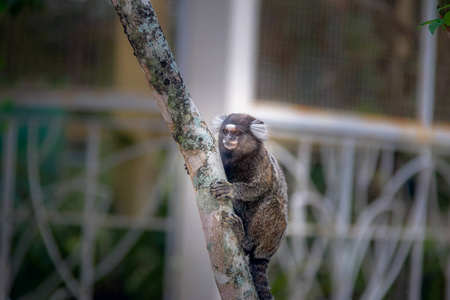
444	7
446	19
428	22
435	25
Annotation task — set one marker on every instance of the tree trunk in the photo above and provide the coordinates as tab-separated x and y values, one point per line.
194	140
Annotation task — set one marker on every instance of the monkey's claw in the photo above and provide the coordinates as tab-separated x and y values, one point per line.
222	190
230	219
186	168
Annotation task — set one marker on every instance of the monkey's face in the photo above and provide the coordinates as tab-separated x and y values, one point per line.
230	136
239	133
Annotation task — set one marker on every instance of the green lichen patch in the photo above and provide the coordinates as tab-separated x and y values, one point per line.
236	276
204	203
209	247
154	55
250	294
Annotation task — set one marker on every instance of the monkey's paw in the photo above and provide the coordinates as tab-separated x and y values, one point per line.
186	168
222	190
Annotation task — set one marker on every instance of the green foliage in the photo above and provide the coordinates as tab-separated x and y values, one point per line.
15	7
140	274
436	23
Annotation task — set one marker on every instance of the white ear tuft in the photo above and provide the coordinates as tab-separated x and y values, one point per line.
259	130
216	122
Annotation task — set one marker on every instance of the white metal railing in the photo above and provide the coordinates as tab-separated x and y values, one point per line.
354	233
42	211
360	224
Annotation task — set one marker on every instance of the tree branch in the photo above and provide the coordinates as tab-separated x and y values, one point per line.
194	140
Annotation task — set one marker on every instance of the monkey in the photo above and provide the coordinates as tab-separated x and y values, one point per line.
258	190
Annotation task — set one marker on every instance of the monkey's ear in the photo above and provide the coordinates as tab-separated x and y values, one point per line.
216	122
259	130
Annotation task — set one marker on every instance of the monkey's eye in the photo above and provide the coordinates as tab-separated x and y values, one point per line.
225	131
237	132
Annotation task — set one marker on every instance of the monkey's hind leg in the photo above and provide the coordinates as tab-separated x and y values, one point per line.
237	226
267	228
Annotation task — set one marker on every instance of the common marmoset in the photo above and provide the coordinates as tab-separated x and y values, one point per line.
258	190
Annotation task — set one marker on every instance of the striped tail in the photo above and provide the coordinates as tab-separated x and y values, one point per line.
258	268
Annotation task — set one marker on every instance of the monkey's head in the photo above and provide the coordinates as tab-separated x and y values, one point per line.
239	133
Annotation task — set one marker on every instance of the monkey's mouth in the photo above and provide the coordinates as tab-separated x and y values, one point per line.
230	145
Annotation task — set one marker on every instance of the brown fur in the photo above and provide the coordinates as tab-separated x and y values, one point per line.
258	190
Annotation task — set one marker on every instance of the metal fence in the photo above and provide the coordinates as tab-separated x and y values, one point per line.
370	197
368	216
376	220
58	193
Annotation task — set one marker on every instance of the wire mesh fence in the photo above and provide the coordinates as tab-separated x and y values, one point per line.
353	56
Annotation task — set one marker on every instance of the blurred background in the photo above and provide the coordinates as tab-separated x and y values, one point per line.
95	202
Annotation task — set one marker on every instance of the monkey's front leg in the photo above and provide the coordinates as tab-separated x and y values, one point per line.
222	190
238	191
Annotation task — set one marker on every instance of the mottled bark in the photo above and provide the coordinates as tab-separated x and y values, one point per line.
194	140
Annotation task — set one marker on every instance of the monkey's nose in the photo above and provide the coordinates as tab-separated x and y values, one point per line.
231	138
